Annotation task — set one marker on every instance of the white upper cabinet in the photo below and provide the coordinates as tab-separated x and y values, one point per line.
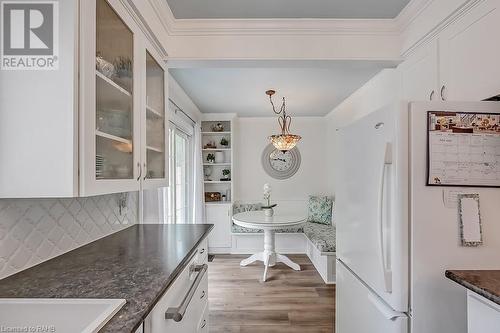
460	63
419	72
154	122
98	124
110	99
469	55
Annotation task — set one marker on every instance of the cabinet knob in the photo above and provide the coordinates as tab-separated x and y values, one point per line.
204	323
145	172
442	93
202	294
202	251
431	96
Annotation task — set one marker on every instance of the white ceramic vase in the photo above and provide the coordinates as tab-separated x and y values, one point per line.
268	212
219	157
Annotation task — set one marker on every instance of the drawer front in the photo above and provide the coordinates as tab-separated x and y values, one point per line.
156	322
203	324
202	254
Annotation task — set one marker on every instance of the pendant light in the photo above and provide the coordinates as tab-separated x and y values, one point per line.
283	141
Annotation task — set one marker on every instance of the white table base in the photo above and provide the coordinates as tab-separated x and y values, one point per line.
269	257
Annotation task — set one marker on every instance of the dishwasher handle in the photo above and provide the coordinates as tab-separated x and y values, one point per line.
177	313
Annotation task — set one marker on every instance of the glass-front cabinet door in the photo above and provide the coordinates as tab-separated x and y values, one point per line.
154	153
110	119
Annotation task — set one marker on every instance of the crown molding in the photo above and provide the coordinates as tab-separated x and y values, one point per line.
210	27
204	27
297	27
144	26
412	10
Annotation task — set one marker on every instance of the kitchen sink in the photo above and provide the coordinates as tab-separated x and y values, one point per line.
61	315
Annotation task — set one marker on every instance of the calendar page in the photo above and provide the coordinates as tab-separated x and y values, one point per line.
463	149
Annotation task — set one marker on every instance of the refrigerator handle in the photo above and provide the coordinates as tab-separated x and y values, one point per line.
386	311
385	266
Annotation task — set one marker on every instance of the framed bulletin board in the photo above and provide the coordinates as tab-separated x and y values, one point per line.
463	149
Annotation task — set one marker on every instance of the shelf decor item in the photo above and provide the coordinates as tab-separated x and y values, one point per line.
217	127
207	171
212	196
219	157
267	207
124	71
211	158
210	145
284	141
225	175
103	66
224	142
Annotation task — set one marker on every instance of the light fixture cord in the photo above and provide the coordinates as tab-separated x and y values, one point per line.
284	120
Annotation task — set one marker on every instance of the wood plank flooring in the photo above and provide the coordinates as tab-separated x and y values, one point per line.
290	301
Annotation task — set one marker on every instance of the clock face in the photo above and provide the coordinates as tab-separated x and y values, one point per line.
280	161
280	165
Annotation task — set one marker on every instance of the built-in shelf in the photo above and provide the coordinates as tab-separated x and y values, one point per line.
217	164
215	133
217	182
112	83
217	202
216	149
154	111
112	137
155	149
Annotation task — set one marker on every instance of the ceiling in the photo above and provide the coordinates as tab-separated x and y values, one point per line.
313	91
263	9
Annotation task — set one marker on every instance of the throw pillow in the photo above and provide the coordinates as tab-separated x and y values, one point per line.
320	209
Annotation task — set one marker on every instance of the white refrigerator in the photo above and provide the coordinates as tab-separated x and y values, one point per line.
395	236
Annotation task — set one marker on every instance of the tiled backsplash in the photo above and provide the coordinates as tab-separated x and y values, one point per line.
34	230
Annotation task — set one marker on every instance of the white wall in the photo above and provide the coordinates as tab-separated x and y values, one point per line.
179	96
251	139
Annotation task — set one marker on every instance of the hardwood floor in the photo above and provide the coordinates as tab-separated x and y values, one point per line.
290	301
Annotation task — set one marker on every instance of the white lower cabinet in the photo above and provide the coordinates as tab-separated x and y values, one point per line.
483	316
184	307
220	216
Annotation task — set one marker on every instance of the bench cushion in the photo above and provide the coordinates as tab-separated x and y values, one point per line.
322	236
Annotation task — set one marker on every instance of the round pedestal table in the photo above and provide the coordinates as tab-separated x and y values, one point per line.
257	220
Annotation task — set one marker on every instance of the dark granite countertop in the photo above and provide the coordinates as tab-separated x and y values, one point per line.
485	283
137	264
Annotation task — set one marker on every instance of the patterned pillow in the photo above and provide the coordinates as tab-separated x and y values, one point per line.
240	208
320	209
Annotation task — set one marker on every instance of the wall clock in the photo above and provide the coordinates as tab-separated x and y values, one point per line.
280	165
